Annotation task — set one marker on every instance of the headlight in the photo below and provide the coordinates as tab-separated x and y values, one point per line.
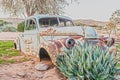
70	43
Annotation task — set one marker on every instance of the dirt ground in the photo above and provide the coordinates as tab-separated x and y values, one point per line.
26	71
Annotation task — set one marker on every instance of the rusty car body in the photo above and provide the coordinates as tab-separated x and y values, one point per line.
49	35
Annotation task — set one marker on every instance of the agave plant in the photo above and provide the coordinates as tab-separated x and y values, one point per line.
88	63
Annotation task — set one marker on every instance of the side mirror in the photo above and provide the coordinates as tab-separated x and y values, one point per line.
110	42
107	41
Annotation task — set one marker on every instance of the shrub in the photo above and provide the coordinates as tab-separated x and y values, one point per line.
79	24
7	28
88	63
21	26
2	23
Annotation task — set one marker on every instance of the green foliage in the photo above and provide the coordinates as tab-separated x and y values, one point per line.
118	53
2	61
2	23
7	28
115	17
24	59
118	46
6	49
118	49
88	62
7	53
95	25
118	65
21	26
79	24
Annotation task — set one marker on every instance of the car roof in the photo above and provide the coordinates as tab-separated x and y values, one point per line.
39	16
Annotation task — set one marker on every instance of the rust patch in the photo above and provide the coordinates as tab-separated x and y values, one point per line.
76	37
52	31
58	44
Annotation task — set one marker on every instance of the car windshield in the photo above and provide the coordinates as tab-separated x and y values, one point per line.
54	22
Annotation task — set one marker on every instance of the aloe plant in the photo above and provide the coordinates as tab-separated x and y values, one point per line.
88	63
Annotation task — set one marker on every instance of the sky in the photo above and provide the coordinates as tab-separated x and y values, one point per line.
100	10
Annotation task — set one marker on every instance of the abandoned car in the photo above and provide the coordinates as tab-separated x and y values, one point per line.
48	35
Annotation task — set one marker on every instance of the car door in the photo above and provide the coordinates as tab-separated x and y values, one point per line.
30	36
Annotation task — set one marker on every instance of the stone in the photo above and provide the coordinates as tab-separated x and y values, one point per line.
13	76
41	67
21	74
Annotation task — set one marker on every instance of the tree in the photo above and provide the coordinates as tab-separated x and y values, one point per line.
114	20
110	27
30	7
115	17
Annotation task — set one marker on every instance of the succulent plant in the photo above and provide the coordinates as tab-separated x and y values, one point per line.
88	62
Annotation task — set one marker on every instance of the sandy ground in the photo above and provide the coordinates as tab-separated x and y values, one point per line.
9	35
26	71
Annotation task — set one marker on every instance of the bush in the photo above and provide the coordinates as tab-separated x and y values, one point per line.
2	23
7	28
21	26
88	63
79	24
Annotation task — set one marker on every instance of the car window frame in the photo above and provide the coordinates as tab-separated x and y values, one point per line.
27	22
65	22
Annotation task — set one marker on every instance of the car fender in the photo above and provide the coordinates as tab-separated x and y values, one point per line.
54	48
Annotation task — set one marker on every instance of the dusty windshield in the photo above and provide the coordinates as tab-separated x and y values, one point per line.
55	22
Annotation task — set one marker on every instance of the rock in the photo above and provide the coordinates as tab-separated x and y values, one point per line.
21	74
13	76
41	67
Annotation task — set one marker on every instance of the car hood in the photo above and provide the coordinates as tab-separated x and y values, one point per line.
88	32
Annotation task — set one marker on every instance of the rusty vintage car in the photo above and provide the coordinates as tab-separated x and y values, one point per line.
48	35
